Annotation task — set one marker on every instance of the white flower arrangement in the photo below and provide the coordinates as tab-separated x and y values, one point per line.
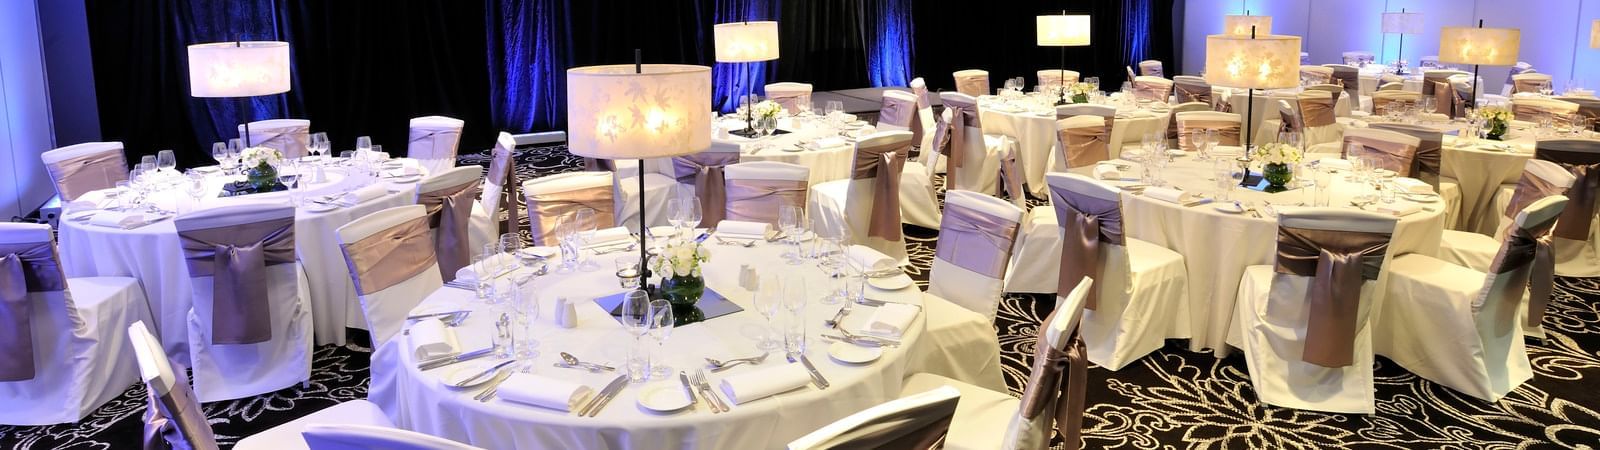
681	258
1079	88
1277	153
1494	113
254	157
768	109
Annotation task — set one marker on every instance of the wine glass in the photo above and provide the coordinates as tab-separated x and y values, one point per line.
194	184
509	243
363	144
319	145
235	150
794	301
691	212
661	324
219	152
636	319
675	215
567	239
289	175
768	300
166	161
587	226
789	217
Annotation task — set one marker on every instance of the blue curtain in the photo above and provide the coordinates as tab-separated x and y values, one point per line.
202	21
729	81
888	35
1136	23
527	63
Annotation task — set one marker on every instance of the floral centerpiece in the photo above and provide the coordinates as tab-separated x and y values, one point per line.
679	263
1276	164
1496	121
259	165
1079	92
766	116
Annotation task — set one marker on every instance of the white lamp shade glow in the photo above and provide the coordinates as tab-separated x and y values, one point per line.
1594	34
1266	62
746	41
614	113
1479	46
1402	23
238	69
1063	30
1240	25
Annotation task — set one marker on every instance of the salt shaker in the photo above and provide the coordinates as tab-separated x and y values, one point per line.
748	279
566	313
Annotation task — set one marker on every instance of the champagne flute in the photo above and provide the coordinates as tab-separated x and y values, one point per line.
789	217
319	146
768	300
235	150
794	301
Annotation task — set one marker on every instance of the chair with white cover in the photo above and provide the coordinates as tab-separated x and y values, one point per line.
1588	108
1172	119
1521	67
433	141
552	197
1349	76
758	190
972	82
1381	99
1131	74
925	153
81	168
1282	113
1055	78
1142	296
290	136
1316	75
1155	89
660	187
1190	88
1084	140
1429	62
1430	76
62	349
1151	68
1428	164
919	204
1463	327
965	287
1392	86
869	201
1577	236
1357	58
1533	109
1226	125
319	436
790	95
1303	322
1530	83
1318	117
450	197
919	421
500	190
392	264
701	175
250	327
1107	112
1052	401
1391	150
973	158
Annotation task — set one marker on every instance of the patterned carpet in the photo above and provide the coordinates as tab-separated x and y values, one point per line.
1170	399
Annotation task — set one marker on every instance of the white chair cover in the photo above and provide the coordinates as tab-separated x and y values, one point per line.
1521	67
1531	109
450	197
553	196
964	289
660	186
1053	78
433	142
290	136
972	82
81	168
1151	68
501	189
362	437
1152	88
926	155
790	95
1530	82
391	261
758	190
979	166
1358	58
918	421
1227	125
919	202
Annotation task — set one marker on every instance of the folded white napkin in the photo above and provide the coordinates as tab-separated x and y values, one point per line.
544	392
431	339
123	220
1333	163
765	382
891	320
363	195
608	236
87	201
1107	172
1399	209
742	229
1168	195
731	124
868	259
469	273
1413	185
830	142
1176	152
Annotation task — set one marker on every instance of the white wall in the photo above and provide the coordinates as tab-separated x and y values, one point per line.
25	129
1555	33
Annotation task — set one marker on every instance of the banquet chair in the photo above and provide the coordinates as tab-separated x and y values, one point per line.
1530	83
919	203
973	157
1445	101
392	264
250	326
1382	99
1577	236
1142	297
1318	117
790	95
972	82
1521	67
757	190
965	286
320	436
82	168
1392	86
449	197
500	190
1349	76
701	175
1190	88
919	421
1052	401
290	136
1588	108
1315	75
1107	112
1285	103
1131	74
660	187
1151	68
1056	77
552	197
869	201
1430	76
1336	92
1303	322
1172	119
1357	58
1428	164
1463	327
62	353
1393	150
1533	109
1429	62
1084	140
173	417
1227	126
898	112
1155	89
926	154
433	142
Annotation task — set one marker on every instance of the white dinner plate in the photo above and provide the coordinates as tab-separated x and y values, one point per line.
467	370
793	149
1422	198
848	353
1228	207
893	283
663	397
80	216
319	207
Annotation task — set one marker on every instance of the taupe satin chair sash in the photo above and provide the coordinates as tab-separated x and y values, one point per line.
1058	385
1290	121
285	140
951	137
431	137
790	101
1150	90
176	421
1530	189
760	200
1317	112
451	210
1584	193
1525	246
1338	262
24	268
1151	69
1429	160
1011	178
95	171
923	98
972	85
1349	79
704	171
1444	99
903	113
1085	146
976	241
1192	92
502	173
547	209
238	257
1526	85
1086	222
389	257
1227	132
1390	155
882	164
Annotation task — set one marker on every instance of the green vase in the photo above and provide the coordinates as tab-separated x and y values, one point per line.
1497	130
1278	177
1080	98
262	178
683	290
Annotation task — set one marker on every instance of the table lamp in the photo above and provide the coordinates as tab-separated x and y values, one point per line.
746	42
1252	62
1402	23
1063	31
638	111
1594	34
1245	25
239	69
1479	47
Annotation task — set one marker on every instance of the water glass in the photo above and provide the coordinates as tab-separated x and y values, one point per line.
628	272
1225	182
789	220
661	325
794	302
768	301
505	338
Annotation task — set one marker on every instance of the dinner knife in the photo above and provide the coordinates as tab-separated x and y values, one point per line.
599	399
441	362
687	389
822	383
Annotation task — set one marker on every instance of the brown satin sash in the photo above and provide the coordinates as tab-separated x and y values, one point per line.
1527	85
502	173
1317	112
704	171
882	164
973	85
1338	262
951	137
451	209
1085	146
1530	189
1430	151
77	176
1059	380
433	137
24	268
1390	155
1583	194
790	100
1522	247
1444	99
760	200
1011	179
1086	222
1151	69
547	209
238	257
1289	121
1192	92
1227	132
1587	109
176	419
1151	90
286	140
389	257
1315	77
1350	79
903	113
976	241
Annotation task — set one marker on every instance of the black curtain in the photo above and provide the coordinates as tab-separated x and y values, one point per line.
823	43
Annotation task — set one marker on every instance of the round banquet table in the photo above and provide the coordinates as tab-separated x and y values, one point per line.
419	401
1033	125
1218	246
827	163
153	255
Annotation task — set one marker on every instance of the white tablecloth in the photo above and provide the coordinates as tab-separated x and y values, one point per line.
827	164
152	254
1033	126
426	405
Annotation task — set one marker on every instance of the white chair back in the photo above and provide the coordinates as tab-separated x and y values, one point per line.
501	182
919	88
1151	88
552	197
977	232
1056	77
290	136
390	279
1024	432
1085	109
972	82
917	421
1498	306
873	198
902	121
790	95
171	411
449	197
1530	109
365	437
1530	82
434	140
1151	68
270	229
1228	125
758	190
81	168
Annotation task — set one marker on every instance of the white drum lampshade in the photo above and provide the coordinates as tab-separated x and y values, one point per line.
1479	46
1240	25
1266	62
1402	23
746	41
615	113
1063	30
1594	34
238	69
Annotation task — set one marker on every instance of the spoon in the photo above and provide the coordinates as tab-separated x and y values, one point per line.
630	247
718	366
572	361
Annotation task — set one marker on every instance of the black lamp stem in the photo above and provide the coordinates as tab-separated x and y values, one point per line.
644	252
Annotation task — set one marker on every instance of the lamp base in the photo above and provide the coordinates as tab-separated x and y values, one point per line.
747	132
